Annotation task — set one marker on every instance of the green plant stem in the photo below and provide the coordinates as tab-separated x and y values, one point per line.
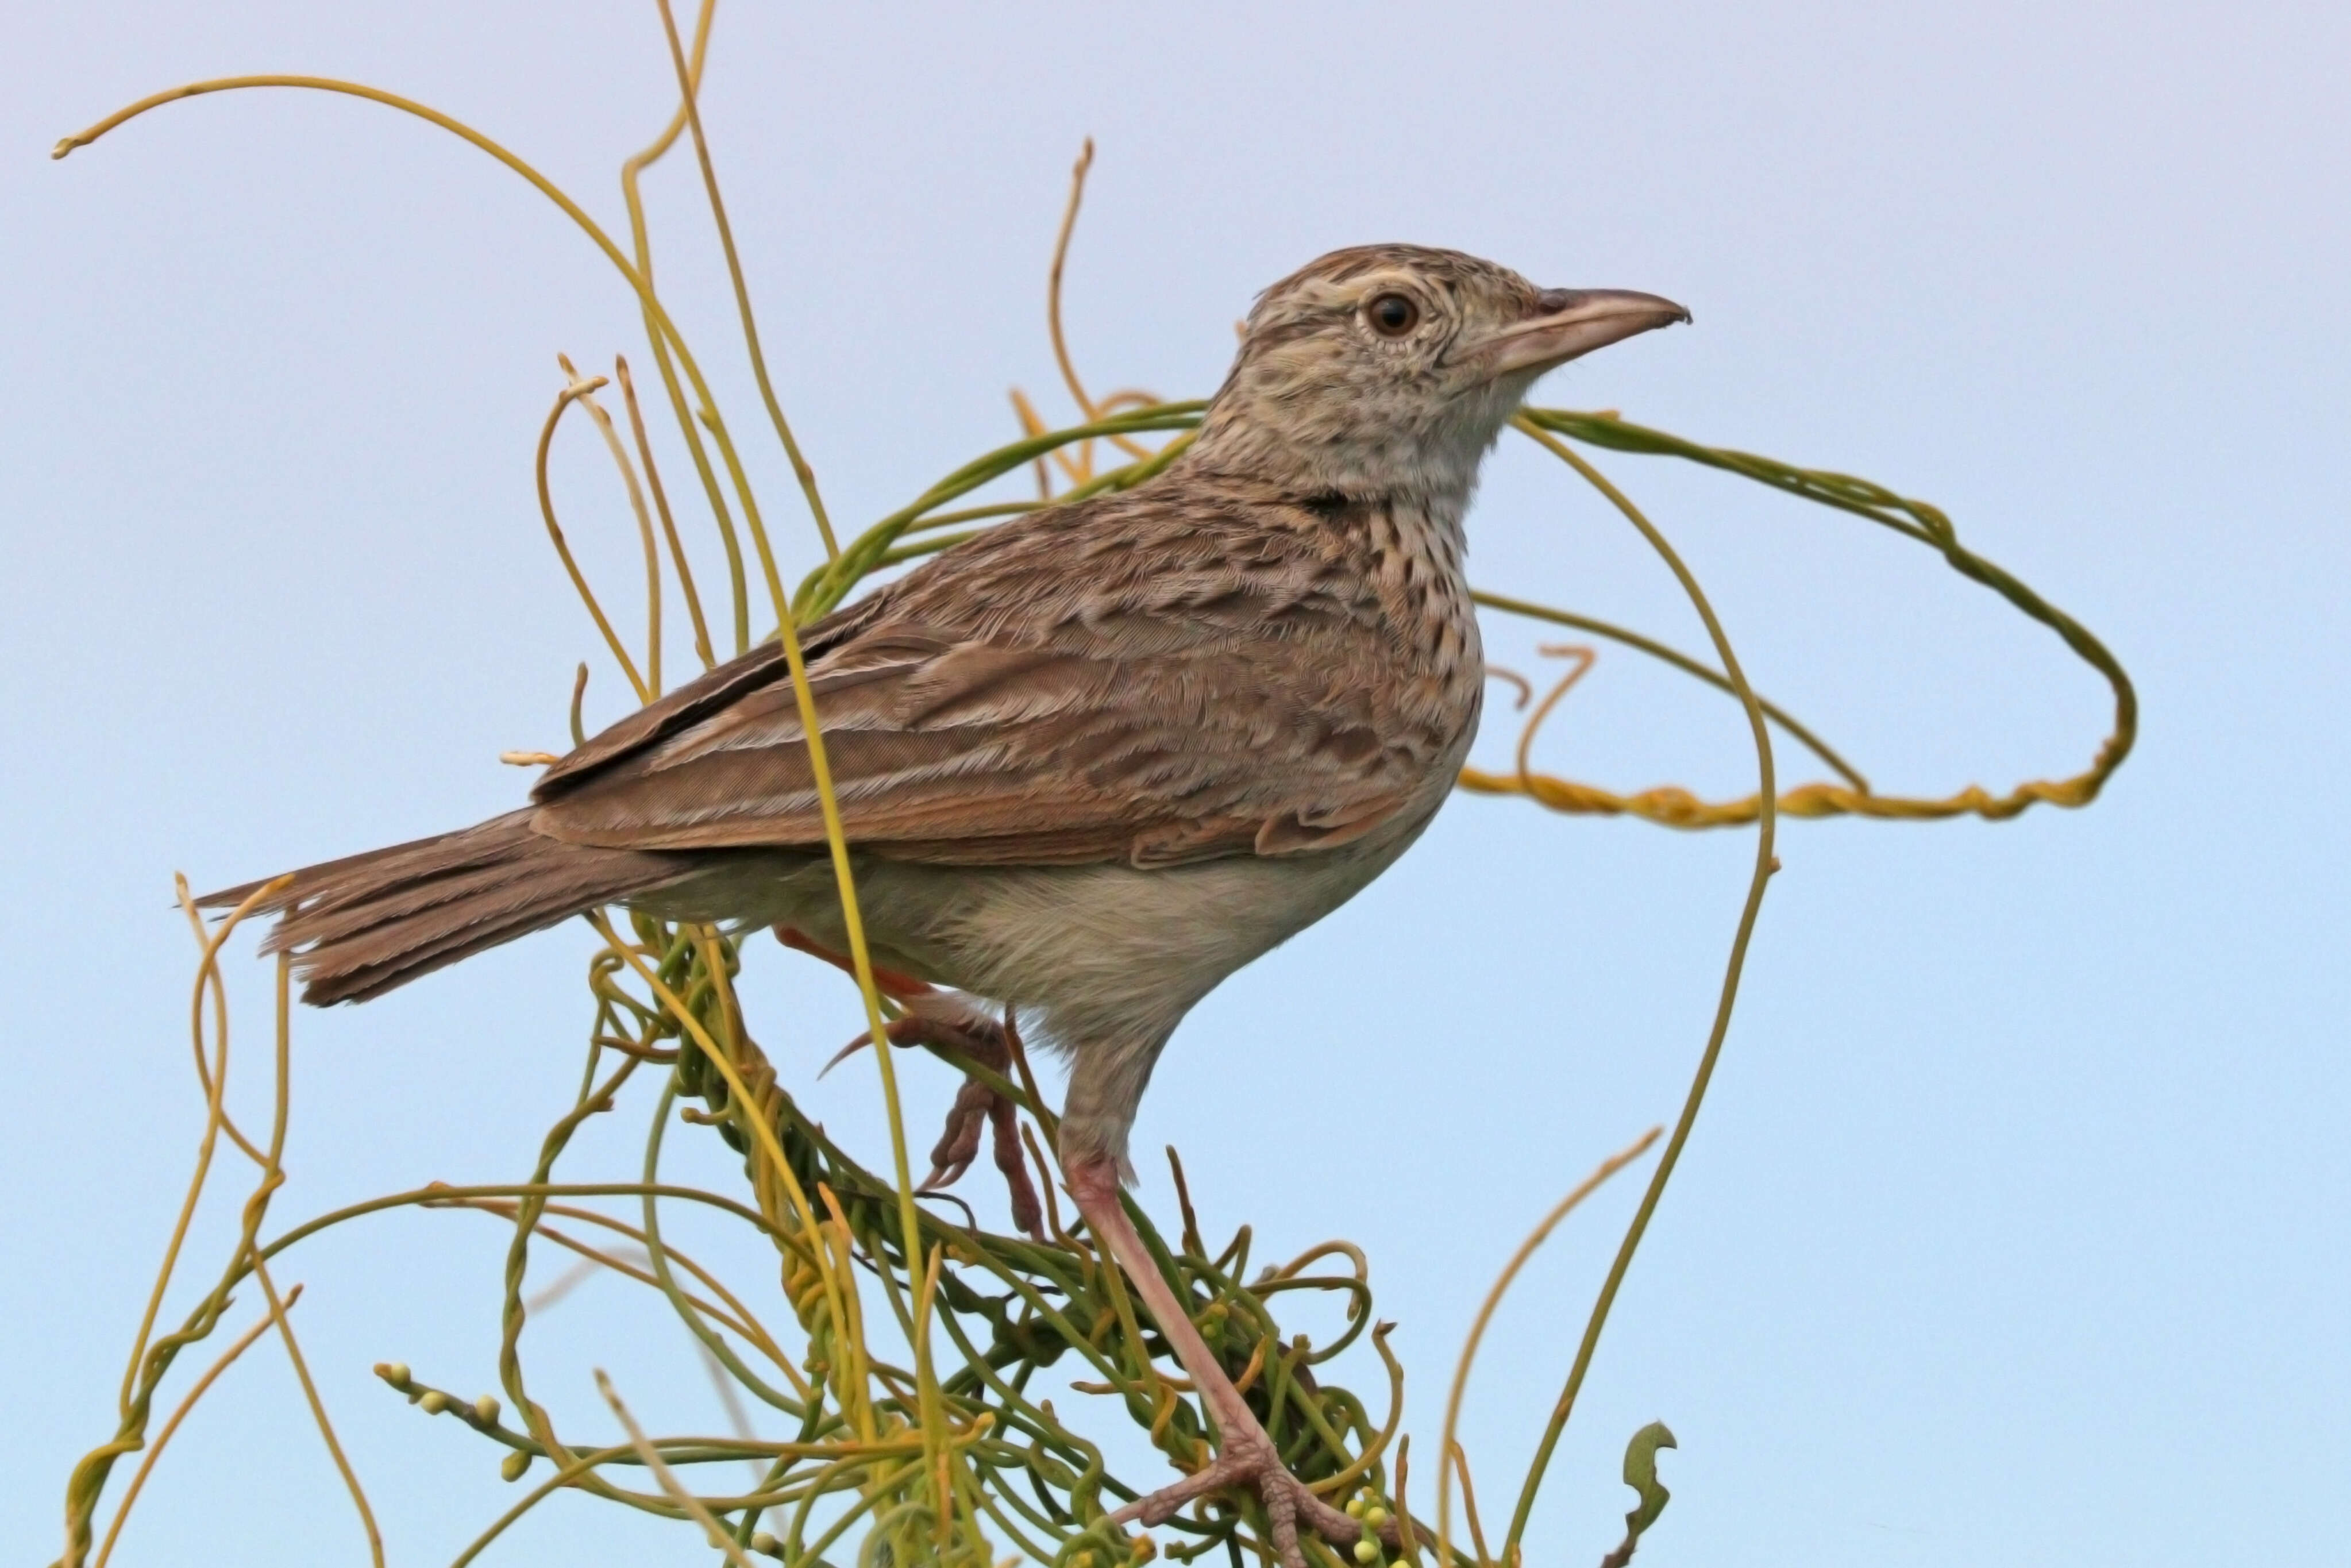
1766	862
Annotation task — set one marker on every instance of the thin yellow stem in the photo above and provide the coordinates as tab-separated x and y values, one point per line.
215	1119
1679	661
604	428
1086	405
732	1317
667	338
689	430
1583	658
318	1413
209	976
669	522
671	1486
563	399
147	1460
1766	862
689	88
275	1172
1527	1249
761	1130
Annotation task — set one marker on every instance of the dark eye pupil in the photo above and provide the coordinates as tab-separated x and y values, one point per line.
1394	314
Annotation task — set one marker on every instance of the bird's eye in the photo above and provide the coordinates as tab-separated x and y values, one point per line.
1393	315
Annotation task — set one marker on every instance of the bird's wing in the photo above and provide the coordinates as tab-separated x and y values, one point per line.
706	695
1044	701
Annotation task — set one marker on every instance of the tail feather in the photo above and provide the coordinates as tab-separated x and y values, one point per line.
364	924
403	885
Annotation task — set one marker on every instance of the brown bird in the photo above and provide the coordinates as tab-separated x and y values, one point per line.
1089	763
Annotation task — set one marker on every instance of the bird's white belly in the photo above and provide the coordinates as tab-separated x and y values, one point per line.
1102	961
1109	951
1092	950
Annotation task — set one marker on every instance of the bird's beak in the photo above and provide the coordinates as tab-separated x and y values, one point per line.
1569	322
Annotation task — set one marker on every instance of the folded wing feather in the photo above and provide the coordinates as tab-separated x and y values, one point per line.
1080	741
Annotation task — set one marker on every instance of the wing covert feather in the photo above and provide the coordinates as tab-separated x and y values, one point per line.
1045	703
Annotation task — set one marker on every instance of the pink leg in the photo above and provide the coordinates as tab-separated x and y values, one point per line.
1246	1455
889	982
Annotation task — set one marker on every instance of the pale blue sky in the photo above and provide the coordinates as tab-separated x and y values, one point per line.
2019	1225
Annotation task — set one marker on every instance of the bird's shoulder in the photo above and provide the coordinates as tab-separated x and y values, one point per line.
1185	671
1179	563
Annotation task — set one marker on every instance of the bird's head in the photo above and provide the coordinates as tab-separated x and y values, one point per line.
1389	370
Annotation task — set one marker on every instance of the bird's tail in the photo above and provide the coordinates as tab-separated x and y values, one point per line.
359	927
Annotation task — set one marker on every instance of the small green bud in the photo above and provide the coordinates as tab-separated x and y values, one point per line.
1355	1507
513	1465
1367	1550
435	1402
394	1373
485	1409
766	1545
1375	1516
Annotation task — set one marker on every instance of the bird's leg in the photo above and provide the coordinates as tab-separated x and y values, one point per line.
945	1019
898	987
1246	1455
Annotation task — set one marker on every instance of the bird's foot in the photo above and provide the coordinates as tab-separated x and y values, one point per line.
1247	1456
949	1023
1249	1460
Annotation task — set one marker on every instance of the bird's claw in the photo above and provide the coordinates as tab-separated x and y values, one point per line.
967	1032
1249	1460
